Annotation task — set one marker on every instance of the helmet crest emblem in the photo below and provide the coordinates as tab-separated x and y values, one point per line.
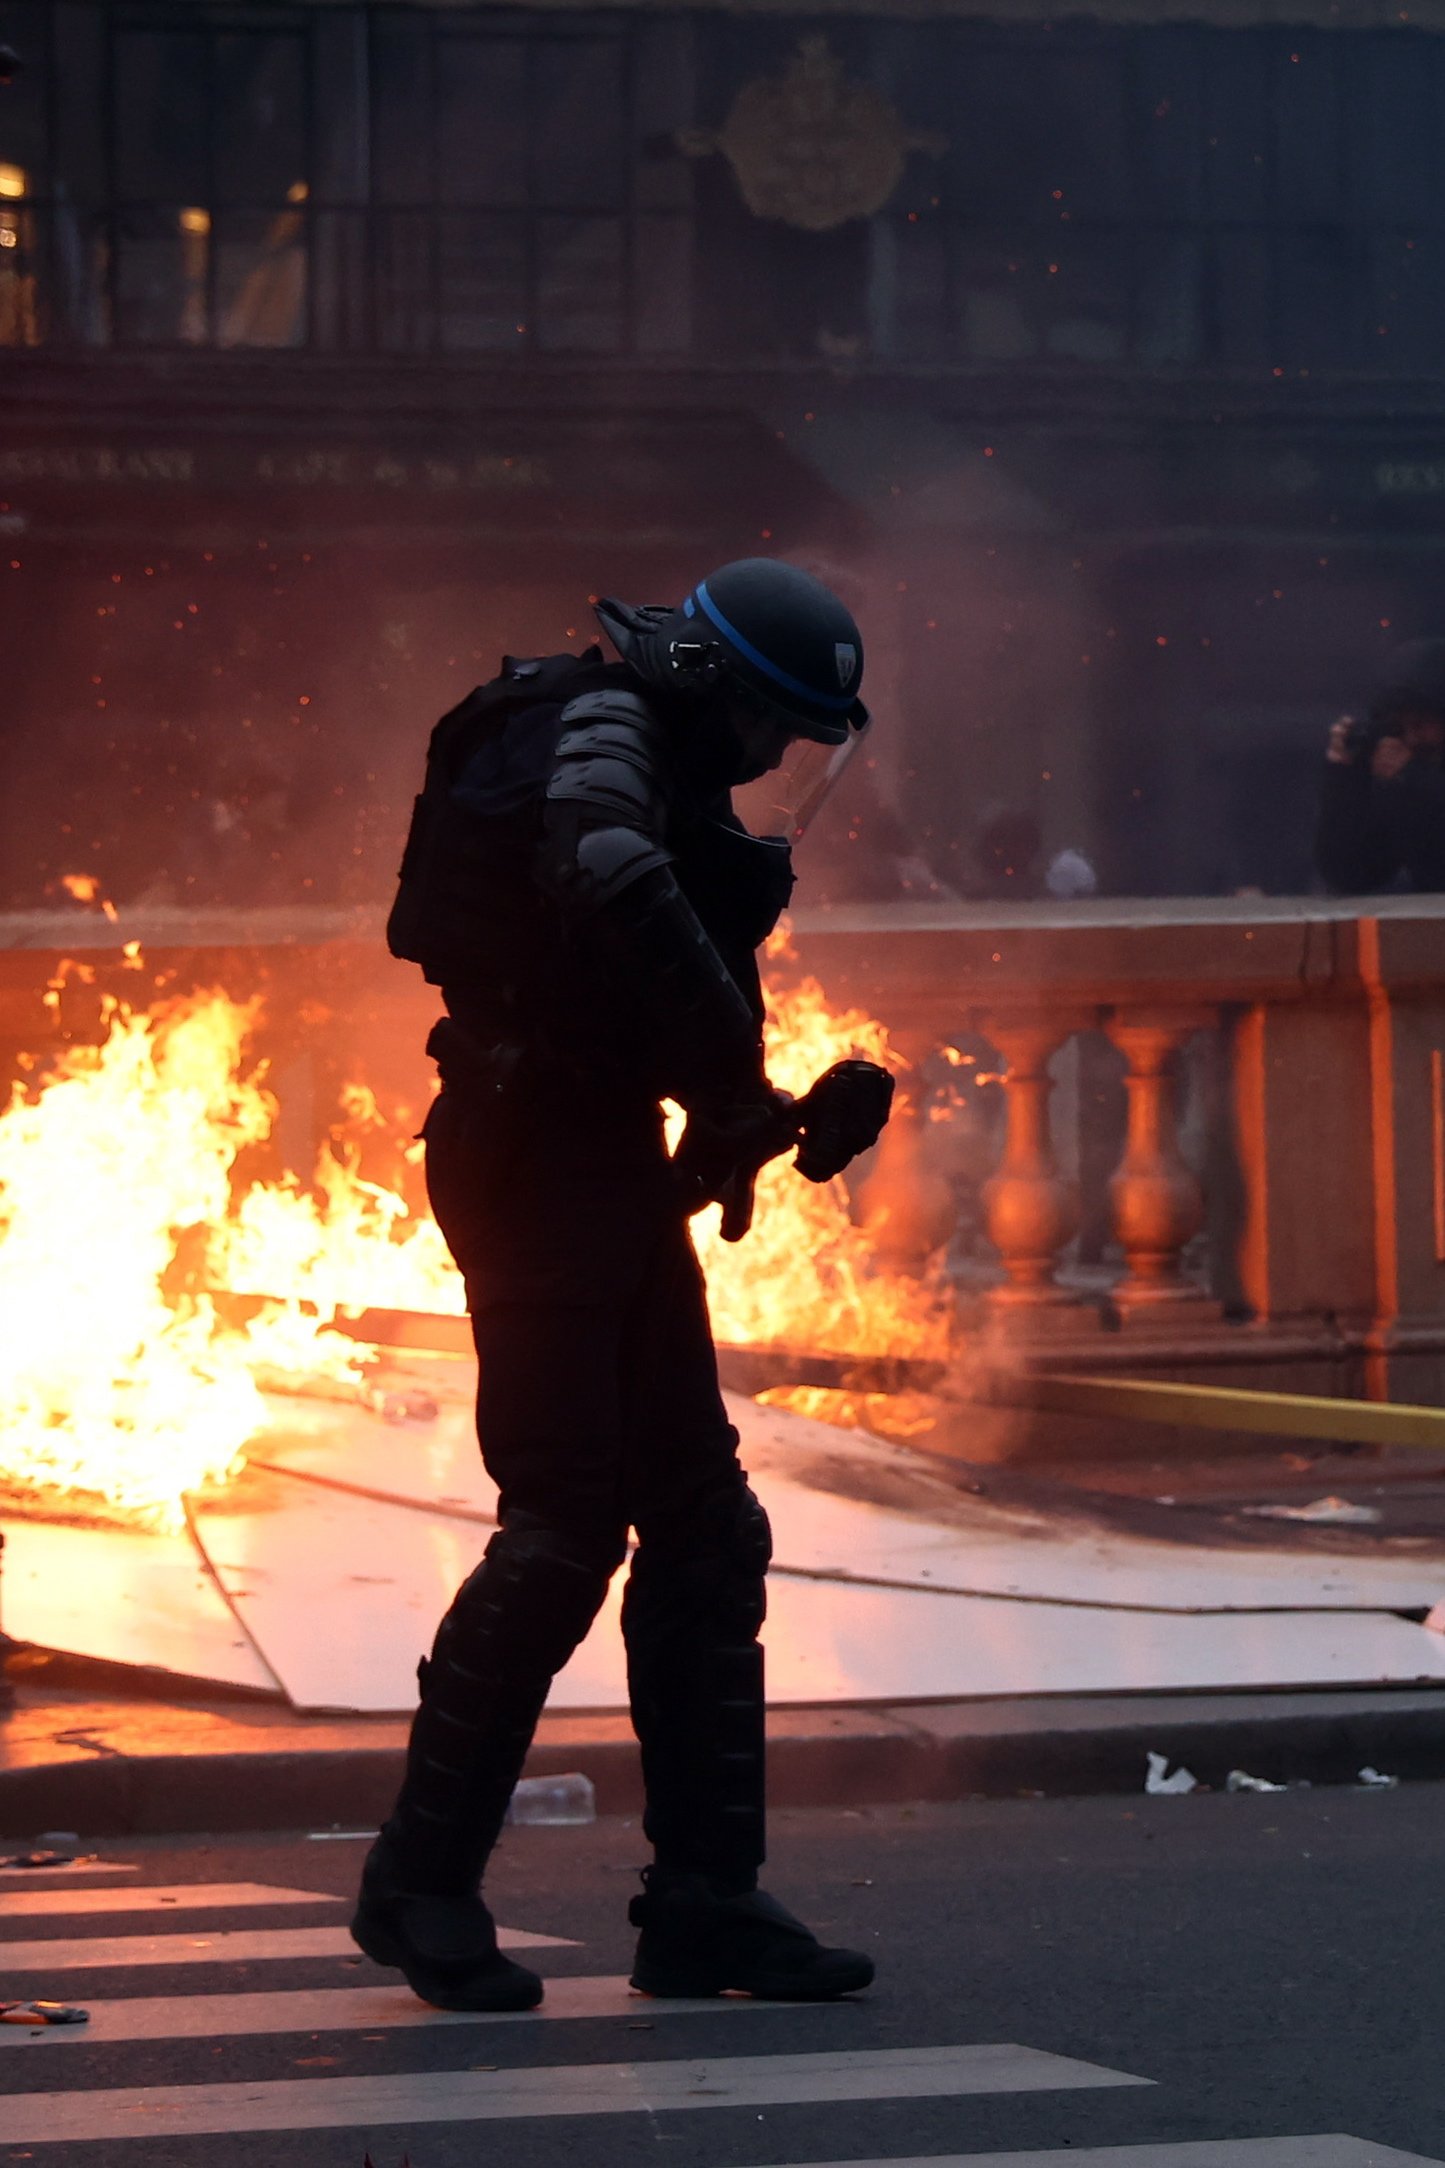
846	657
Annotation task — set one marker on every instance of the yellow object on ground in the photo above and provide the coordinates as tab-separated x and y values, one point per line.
1225	1407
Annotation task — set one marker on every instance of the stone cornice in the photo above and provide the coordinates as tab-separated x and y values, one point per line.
1427	15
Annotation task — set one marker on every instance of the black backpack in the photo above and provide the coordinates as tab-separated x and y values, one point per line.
467	908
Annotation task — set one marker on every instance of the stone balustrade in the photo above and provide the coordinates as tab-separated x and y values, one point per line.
1311	1203
1294	1237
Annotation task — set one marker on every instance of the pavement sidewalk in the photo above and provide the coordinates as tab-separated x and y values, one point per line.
73	1760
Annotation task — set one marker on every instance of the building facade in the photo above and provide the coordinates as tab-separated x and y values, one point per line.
341	346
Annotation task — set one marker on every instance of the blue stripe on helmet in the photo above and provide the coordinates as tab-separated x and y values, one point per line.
840	702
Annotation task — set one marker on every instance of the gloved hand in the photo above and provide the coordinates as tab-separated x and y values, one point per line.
842	1115
724	1145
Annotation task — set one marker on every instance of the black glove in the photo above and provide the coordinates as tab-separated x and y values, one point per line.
724	1145
841	1116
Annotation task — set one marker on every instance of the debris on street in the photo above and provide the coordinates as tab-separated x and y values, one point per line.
1331	1512
1157	1782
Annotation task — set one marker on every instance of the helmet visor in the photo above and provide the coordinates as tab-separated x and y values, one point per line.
783	802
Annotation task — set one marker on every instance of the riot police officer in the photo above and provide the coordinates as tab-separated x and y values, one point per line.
578	885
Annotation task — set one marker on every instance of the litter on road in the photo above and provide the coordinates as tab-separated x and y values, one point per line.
559	1802
1332	1512
1156	1781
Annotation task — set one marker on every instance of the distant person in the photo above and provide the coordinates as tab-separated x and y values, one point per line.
1381	822
1008	862
1070	875
1007	850
858	849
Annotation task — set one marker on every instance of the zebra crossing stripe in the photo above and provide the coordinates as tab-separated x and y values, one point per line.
352	2009
172	1896
1330	2151
224	1946
582	2089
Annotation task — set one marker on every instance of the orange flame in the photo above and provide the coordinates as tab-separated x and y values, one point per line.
85	888
123	1377
806	1275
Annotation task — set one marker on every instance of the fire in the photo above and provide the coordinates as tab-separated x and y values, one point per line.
129	1374
344	1246
806	1274
120	1375
105	1386
892	1415
85	888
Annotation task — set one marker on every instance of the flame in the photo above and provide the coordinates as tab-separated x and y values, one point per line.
126	1374
888	1415
806	1275
85	888
119	1376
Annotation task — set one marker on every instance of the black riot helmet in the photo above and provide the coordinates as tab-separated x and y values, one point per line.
760	630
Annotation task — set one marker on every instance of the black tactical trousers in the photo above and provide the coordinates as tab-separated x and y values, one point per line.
598	1410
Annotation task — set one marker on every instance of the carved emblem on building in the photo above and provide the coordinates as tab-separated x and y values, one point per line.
810	148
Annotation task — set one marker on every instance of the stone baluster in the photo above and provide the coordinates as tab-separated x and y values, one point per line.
1030	1210
905	1201
1156	1198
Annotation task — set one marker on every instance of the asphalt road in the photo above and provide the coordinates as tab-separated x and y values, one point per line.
1271	1966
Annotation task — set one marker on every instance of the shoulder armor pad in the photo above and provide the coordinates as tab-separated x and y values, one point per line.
611	859
609	758
613	703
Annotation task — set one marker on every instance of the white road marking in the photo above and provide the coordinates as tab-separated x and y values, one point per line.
352	2009
582	2089
222	1947
1330	2151
172	1896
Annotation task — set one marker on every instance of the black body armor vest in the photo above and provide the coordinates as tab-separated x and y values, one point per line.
513	965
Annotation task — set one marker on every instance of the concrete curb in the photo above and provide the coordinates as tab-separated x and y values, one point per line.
142	1769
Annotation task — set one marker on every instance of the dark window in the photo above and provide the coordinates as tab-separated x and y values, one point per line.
416	180
482	273
522	150
161	113
210	187
1171	197
483	153
258	118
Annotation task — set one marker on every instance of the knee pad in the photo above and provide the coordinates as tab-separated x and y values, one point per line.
713	1556
754	1534
728	1526
533	1597
723	1524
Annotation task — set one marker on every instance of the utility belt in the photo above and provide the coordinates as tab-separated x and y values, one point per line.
470	1068
541	1085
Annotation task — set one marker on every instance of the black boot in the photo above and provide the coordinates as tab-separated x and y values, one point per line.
446	1944
696	1940
513	1624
